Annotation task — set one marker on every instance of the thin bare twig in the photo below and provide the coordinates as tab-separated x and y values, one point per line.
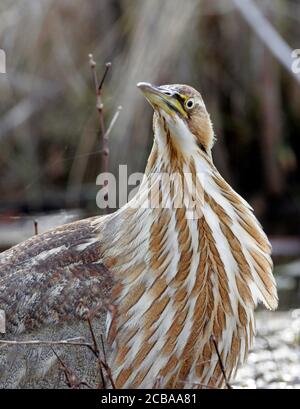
112	123
71	379
103	348
109	374
106	366
36	227
213	338
102	364
68	374
100	106
96	352
107	67
70	341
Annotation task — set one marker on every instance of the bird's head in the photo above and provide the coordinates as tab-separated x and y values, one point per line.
184	112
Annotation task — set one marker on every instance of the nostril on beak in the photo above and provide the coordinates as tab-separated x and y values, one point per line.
165	91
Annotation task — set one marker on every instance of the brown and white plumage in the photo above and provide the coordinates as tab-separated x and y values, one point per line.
179	274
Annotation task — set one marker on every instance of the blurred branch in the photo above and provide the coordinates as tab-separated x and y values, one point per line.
77	341
104	134
112	123
22	111
267	33
100	106
213	338
271	125
36	227
71	379
96	351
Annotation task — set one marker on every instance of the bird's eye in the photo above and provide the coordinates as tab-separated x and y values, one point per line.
190	103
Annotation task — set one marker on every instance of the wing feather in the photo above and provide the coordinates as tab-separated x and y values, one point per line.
47	286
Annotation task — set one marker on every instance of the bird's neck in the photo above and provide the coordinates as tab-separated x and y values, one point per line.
174	149
175	175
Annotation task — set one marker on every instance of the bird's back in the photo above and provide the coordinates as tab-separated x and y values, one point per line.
48	285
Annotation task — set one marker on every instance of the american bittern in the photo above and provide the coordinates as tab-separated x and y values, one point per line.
177	277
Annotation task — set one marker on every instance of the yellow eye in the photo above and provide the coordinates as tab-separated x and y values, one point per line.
190	103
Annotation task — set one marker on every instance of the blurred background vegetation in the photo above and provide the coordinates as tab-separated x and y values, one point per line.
49	146
50	153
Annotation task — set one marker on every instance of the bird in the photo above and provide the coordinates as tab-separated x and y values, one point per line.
178	270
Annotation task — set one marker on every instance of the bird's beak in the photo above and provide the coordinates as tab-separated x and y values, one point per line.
158	98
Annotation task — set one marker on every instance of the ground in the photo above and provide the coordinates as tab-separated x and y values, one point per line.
274	361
